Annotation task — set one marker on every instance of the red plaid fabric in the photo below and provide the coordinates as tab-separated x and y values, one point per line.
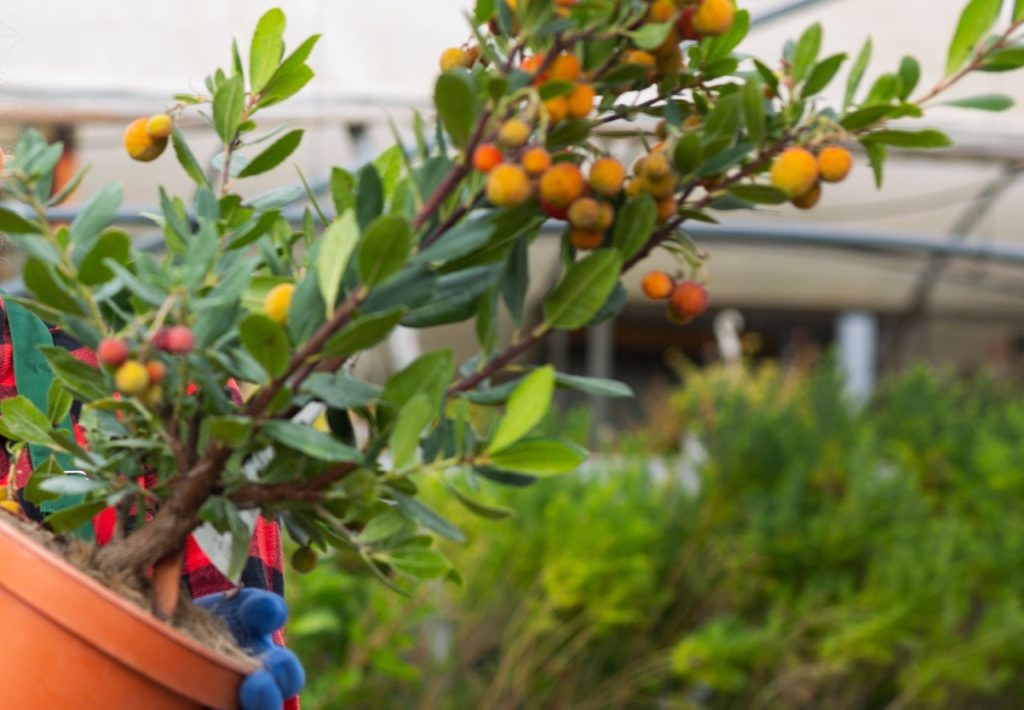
263	569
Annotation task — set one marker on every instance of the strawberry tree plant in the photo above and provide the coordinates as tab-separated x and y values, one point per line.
535	116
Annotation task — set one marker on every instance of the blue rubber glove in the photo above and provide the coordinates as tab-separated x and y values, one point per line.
252	615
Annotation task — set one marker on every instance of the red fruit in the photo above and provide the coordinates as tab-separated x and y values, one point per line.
684	25
689	299
157	371
554	212
487	157
177	339
112	352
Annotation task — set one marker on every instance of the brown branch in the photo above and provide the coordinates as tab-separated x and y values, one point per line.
341	315
498	363
253	495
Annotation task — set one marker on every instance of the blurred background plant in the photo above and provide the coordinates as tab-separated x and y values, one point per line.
761	544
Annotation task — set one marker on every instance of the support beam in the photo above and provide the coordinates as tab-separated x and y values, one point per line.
857	335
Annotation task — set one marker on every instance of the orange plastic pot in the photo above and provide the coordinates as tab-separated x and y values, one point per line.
69	642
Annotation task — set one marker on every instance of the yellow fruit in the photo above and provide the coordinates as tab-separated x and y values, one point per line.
658	285
557	108
585	213
586	238
795	171
657	165
277	301
607	216
667	209
661	11
581	101
834	163
565	67
455	57
154	396
304	560
536	160
159	126
607	176
508	185
514	133
561	185
132	378
10	506
642	58
809	199
660	187
634	187
714	17
139	145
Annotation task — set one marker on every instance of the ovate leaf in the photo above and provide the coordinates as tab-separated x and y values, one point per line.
583	291
527	405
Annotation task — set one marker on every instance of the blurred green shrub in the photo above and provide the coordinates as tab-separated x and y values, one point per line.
802	554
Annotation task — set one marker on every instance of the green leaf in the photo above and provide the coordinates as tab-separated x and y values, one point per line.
527	405
553	89
383	526
983	102
290	76
634	225
412	419
267	48
926	138
42	282
688	154
975	21
187	159
369	195
822	74
806	52
58	402
465	238
112	244
861	118
650	35
343	190
417	562
83	380
886	88
21	420
311	442
228	104
362	333
94	218
274	155
1002	60
341	391
336	247
427	517
69	484
540	457
14	223
583	291
229	429
1018	10
753	110
76	516
266	341
455	298
597	386
910	74
384	249
455	98
857	73
430	373
760	194
488	512
877	154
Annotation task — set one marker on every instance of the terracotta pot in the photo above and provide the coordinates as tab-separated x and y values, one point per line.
69	642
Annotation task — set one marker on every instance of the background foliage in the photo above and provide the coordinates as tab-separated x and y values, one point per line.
802	555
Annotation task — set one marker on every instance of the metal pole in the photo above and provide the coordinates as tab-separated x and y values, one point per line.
599	364
858	353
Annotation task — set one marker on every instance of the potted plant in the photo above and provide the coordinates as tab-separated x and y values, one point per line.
435	230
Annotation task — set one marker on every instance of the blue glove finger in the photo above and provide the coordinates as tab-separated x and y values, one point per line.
286	669
259	691
261	612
